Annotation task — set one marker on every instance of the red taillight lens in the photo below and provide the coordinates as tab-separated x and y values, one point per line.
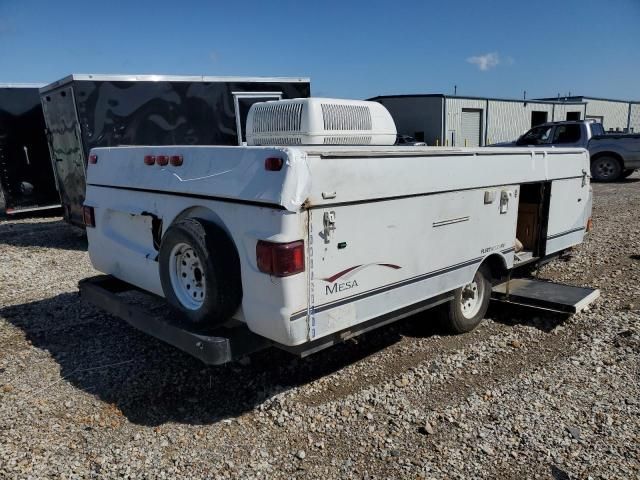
273	164
280	259
589	225
162	160
176	160
93	159
149	159
88	216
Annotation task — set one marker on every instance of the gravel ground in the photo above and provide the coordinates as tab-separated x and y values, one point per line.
526	395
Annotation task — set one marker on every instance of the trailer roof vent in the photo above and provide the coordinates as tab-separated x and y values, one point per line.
319	121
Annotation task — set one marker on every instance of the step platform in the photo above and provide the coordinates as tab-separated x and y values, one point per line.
545	295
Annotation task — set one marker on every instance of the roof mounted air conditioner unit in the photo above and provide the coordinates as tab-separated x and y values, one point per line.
319	121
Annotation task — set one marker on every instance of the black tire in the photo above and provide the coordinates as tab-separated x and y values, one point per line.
452	317
606	169
219	266
627	172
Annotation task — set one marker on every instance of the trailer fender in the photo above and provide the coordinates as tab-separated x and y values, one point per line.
497	265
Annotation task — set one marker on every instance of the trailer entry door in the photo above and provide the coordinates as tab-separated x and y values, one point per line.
243	102
67	156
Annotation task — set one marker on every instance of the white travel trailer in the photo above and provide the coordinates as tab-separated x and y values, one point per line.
309	244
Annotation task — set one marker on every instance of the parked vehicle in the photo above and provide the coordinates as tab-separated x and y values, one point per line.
408	140
87	111
613	156
26	176
307	245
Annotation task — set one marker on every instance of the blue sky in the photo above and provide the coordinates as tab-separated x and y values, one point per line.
349	49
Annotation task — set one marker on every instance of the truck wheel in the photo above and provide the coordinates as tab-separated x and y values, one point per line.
200	272
605	169
627	172
470	303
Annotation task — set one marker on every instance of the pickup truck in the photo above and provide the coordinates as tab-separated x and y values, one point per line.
613	156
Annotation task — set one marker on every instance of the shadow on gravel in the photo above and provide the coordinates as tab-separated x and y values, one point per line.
559	474
59	235
511	315
152	383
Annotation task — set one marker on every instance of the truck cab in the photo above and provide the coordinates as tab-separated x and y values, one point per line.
567	134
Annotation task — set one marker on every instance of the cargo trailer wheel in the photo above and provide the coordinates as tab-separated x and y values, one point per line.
200	272
470	303
605	169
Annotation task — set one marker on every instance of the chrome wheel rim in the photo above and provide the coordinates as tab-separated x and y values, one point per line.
187	276
472	296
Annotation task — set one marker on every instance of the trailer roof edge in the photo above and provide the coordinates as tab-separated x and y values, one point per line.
169	78
22	85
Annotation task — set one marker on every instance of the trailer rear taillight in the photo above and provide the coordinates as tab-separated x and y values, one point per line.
149	159
176	160
280	259
88	216
162	160
273	164
93	159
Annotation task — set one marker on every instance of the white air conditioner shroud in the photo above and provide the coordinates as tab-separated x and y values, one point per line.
319	121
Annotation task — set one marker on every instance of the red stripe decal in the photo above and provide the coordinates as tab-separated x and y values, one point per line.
333	278
339	274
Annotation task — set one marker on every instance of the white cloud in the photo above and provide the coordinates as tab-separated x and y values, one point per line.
485	62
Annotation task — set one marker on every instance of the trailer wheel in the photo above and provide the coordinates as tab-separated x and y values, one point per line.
200	272
470	303
606	169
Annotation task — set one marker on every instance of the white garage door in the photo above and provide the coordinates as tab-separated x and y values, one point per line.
471	127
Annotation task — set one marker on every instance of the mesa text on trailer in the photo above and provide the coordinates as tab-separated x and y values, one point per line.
312	240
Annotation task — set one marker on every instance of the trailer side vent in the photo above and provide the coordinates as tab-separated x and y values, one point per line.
346	117
352	140
268	140
319	121
277	117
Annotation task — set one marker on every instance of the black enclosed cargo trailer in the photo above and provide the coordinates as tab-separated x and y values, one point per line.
26	175
87	111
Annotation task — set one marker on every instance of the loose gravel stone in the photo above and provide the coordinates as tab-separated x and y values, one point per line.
527	395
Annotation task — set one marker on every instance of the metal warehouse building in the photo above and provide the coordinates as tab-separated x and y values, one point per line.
615	115
473	121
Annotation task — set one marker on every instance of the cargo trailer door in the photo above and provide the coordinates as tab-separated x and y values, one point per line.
67	156
242	103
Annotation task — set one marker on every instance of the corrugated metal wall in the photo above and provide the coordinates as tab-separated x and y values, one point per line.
508	120
616	114
561	109
454	117
416	114
635	118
